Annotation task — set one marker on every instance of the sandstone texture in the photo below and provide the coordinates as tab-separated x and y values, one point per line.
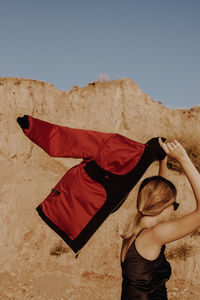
35	262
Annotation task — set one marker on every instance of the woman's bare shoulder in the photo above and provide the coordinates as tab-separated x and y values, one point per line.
147	246
169	231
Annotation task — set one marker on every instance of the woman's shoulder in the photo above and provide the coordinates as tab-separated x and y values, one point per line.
147	236
169	231
146	244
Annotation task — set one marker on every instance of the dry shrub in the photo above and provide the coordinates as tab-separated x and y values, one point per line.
180	252
59	249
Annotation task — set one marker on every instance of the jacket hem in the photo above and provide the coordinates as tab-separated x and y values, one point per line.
54	227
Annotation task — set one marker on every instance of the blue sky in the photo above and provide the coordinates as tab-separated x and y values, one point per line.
156	43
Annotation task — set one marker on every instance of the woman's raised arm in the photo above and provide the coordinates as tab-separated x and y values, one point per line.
167	232
163	167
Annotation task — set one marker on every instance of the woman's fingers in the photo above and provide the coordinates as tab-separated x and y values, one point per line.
160	142
165	148
168	147
173	143
173	149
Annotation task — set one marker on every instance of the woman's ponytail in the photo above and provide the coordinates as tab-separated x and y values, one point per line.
133	227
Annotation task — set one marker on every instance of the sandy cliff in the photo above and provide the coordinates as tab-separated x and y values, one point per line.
35	262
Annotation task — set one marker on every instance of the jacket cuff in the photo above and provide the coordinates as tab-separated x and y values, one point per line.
27	130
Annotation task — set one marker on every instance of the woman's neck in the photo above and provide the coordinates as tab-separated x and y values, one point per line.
149	222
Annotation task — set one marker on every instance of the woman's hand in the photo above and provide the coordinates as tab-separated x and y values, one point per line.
174	149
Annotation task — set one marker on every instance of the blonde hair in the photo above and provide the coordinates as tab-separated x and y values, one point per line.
155	194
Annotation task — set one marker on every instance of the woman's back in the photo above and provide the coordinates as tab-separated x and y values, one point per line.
144	279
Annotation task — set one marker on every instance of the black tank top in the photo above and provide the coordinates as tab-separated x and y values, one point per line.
144	279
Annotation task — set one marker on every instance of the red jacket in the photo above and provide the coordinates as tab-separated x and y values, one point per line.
85	196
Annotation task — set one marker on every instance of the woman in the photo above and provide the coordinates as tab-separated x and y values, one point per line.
145	269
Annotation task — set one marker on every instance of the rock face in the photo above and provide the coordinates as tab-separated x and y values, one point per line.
35	262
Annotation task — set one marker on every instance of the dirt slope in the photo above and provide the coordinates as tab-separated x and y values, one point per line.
35	262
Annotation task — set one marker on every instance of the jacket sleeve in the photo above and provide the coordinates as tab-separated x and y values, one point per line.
61	141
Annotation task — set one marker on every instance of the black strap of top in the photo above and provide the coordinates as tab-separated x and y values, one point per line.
130	246
139	232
